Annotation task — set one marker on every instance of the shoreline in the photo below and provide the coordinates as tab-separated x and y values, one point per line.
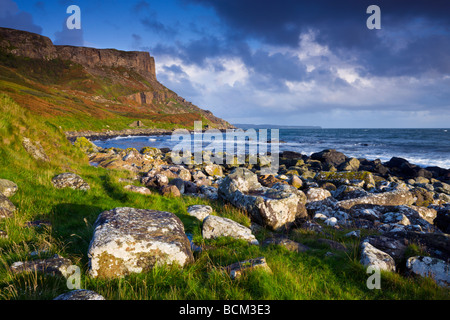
111	134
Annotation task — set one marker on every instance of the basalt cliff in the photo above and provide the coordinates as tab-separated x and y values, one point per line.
104	89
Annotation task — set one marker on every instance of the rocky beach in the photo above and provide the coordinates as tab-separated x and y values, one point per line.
398	203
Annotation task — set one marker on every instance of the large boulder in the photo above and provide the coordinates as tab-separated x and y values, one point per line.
371	256
129	240
276	207
434	268
70	180
214	227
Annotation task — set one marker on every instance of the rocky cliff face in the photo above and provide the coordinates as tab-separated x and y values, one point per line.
100	83
35	46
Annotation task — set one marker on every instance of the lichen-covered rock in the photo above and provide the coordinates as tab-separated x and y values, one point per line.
129	240
213	170
214	227
434	268
53	266
392	198
8	188
371	256
200	211
276	207
70	180
35	149
80	294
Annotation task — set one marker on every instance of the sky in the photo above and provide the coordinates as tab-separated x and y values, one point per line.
283	62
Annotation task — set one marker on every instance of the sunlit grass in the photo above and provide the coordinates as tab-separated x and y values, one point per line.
307	275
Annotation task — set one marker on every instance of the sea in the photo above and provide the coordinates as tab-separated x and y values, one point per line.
423	147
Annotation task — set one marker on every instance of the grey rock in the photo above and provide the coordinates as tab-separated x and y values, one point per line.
53	266
35	149
434	268
276	207
129	240
70	180
200	211
8	188
7	208
80	294
371	256
137	189
214	227
391	198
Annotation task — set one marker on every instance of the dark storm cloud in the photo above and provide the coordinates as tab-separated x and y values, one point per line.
341	26
12	17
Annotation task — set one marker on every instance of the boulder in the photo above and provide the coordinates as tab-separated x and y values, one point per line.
442	220
8	188
70	180
396	248
35	149
351	164
80	294
129	240
199	211
214	227
317	194
170	191
137	189
346	177
53	266
329	157
179	183
277	207
269	180
371	256
434	268
390	198
295	181
213	170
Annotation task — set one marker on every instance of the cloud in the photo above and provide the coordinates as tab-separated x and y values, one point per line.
12	17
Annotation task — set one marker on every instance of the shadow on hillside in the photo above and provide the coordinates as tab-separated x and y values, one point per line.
113	190
73	224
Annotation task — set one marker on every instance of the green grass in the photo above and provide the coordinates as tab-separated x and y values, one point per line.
306	275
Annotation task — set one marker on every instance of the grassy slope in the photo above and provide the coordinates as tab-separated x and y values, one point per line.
310	275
